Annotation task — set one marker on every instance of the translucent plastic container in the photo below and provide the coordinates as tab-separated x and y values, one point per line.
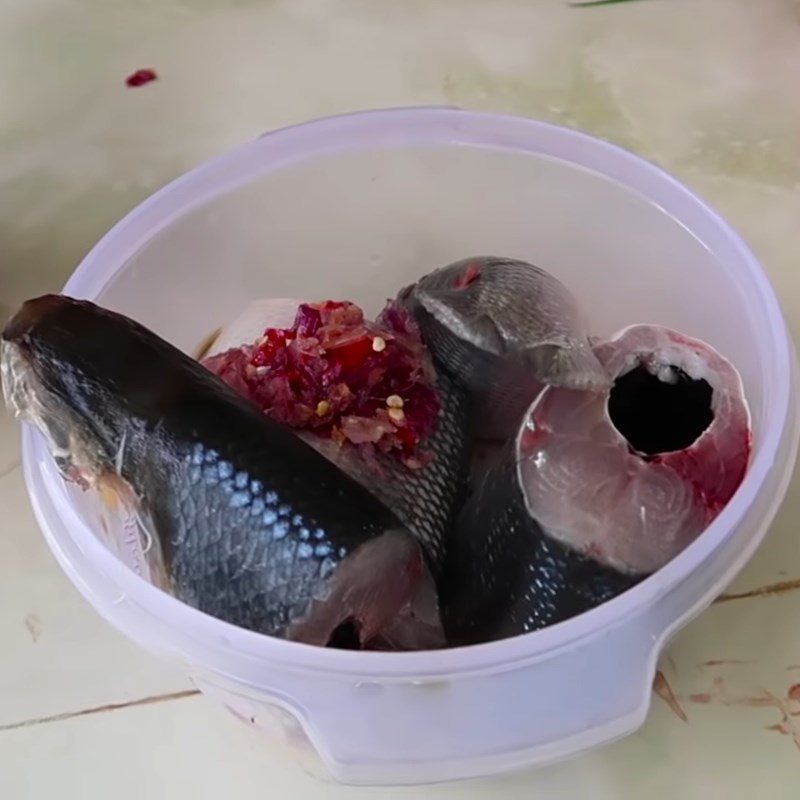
353	207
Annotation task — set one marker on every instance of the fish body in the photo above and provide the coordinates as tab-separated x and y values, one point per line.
424	498
504	575
598	490
503	329
250	524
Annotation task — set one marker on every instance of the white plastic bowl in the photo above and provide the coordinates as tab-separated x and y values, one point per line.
353	207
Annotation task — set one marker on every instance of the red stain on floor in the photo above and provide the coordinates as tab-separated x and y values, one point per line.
720	693
662	688
763	699
787	727
779	728
141	77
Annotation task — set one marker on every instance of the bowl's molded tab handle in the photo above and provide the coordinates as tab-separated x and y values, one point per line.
481	724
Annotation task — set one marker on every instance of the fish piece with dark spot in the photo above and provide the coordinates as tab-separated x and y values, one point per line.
249	523
598	490
504	576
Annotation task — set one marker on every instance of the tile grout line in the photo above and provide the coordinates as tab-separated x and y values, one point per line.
86	712
762	591
9	469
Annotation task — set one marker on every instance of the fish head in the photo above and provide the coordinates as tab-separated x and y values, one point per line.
57	373
516	312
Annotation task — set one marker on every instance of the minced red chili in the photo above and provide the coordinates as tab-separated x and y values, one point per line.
333	372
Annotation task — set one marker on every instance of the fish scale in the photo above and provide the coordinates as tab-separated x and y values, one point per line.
213	567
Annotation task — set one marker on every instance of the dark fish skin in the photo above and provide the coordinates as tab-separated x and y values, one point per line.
502	329
254	526
425	500
503	576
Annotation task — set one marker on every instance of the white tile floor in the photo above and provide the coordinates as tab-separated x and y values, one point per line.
708	90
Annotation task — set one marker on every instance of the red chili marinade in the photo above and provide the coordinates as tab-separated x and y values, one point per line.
370	384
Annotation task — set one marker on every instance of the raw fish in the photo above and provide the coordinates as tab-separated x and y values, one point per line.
503	329
424	484
598	490
248	523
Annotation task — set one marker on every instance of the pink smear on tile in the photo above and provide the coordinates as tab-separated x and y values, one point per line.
141	77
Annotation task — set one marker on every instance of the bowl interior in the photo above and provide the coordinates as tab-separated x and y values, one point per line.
360	225
361	219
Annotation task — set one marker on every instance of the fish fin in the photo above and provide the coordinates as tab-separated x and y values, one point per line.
382	592
453	309
572	365
417	626
129	530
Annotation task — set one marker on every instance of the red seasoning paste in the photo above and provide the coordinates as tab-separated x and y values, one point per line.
370	384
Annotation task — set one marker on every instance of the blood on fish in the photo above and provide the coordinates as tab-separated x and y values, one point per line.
468	276
664	422
645	469
530	438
